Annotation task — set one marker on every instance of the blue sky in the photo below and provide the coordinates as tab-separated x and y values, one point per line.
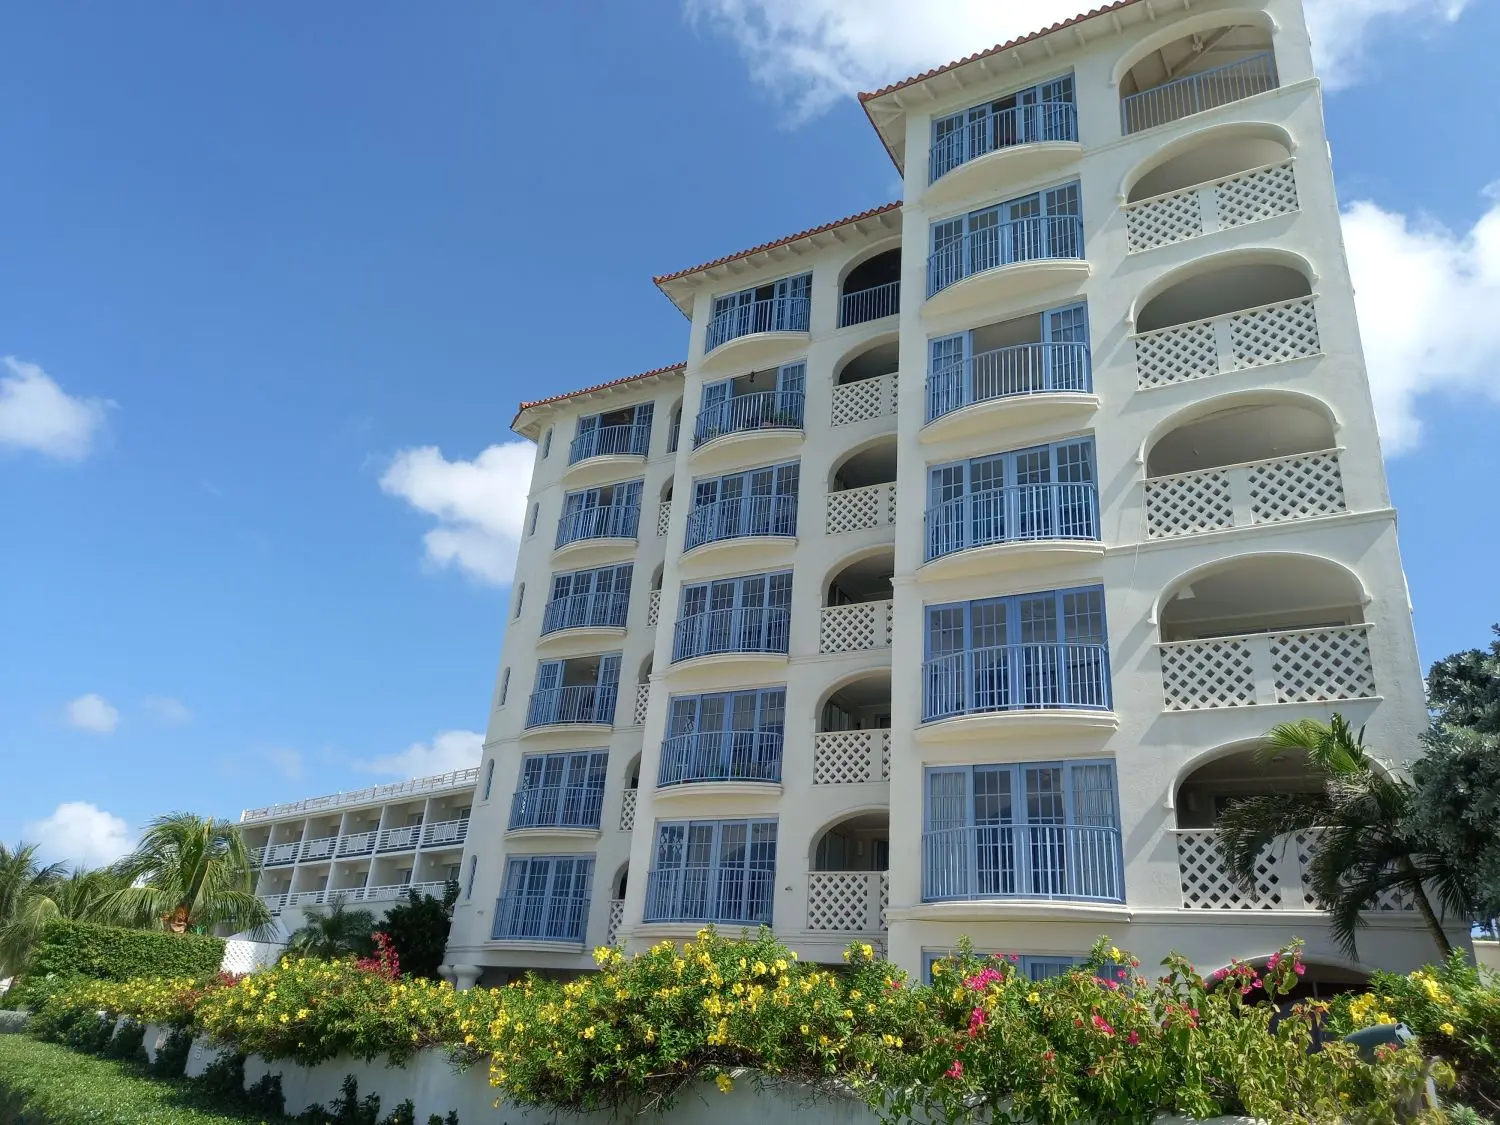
276	276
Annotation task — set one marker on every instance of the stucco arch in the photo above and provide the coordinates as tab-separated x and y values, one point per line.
880	552
849	679
859	259
1216	263
841	817
1187	25
1224	404
863	348
1200	138
1217	566
880	442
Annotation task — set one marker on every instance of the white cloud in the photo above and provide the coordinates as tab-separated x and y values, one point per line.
287	761
449	750
37	414
1429	310
80	833
170	712
94	713
480	504
811	53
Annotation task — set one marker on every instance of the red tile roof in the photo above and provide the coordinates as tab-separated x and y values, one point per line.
525	406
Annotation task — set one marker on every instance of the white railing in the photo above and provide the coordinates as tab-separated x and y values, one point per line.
279	853
306	898
1291	666
394	839
653	608
845	757
847	901
627	810
1272	490
457	779
357	843
1274	333
1281	880
616	917
855	627
865	399
861	509
1245	197
318	849
445	832
394	891
642	699
274	903
663	517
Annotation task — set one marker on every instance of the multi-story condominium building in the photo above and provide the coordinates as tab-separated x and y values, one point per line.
368	847
950	585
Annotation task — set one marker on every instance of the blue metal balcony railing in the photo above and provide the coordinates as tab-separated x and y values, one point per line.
1195	93
557	806
760	410
705	894
1016	677
1068	861
741	517
736	755
1014	514
578	611
1019	125
540	918
583	703
628	439
773	314
608	521
870	304
1020	240
731	630
1021	369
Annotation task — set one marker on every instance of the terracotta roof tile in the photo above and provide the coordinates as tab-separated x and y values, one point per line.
525	406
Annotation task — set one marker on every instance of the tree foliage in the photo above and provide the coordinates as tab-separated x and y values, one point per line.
1464	689
418	930
32	895
334	932
1456	809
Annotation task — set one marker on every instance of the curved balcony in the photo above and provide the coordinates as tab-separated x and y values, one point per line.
756	329
756	631
1021	523
762	528
1045	685
592	532
1001	148
770	420
574	808
721	756
1197	93
541	918
597	452
1004	261
710	894
581	613
580	704
1025	383
878	301
1023	861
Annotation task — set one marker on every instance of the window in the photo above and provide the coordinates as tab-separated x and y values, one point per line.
575	691
520	598
564	790
958	374
1032	967
780	306
676	427
723	736
1044	492
749	614
536	510
618	432
546	898
1032	830
771	399
504	686
758	502
598	597
1043	650
1045	112
1043	225
547	443
489	778
610	512
473	869
712	871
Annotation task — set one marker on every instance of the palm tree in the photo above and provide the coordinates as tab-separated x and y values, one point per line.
22	879
1360	816
190	873
84	895
335	932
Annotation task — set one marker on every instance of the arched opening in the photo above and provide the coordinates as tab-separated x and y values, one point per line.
853	741
656	577
1241	433
866	579
873	362
1203	795
863	704
620	884
675	427
861	842
874	464
862	489
1229	288
1262	594
846	882
666	491
1215	155
633	774
1195	72
872	289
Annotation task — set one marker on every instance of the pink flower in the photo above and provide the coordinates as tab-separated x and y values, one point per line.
1220	974
1103	1024
1273	961
976	1021
1133	1038
1299	968
1015	958
956	1070
1122	974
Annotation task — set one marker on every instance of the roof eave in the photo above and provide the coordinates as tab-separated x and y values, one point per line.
531	415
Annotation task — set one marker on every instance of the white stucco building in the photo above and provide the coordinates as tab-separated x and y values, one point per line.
949	584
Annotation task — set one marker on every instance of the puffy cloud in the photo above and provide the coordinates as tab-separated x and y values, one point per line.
480	505
168	711
38	415
93	713
80	833
449	750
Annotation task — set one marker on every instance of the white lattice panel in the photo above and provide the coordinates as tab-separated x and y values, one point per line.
1275	334
1207	884
842	900
1175	355
861	509
1201	675
653	608
616	917
868	398
1188	503
1294	488
1317	665
242	956
1261	193
627	810
1163	220
1386	902
855	628
885	899
663	516
848	757
642	698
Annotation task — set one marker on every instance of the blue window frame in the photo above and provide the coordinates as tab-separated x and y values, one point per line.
1030	830
1045	112
579	598
724	736
733	406
779	306
1047	224
1026	651
545	898
489	778
748	614
712	871
610	512
619	432
1043	492
1034	967
758	502
958	376
564	790
589	698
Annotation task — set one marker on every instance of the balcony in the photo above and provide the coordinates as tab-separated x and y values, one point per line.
598	610
770	420
1023	861
861	509
630	440
398	839
872	290
575	807
999	262
396	892
1146	106
608	525
540	918
752	756
1231	178
756	323
1016	678
704	895
742	517
859	614
853	743
356	843
761	630
463	779
866	386
274	903
848	889
1054	519
318	849
995	148
445	833
277	854
588	704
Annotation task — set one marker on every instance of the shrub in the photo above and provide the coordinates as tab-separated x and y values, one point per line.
70	949
172	1056
418	929
129	1041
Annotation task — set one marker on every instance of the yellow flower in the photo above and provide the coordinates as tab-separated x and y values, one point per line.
804	1029
724	1083
588	1032
1446	1028
1115	954
1033	998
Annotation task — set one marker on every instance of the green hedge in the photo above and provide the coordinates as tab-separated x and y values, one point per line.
84	949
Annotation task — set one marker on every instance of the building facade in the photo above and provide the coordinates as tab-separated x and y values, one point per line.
950	585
